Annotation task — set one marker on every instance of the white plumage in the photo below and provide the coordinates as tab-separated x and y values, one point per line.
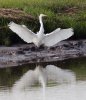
41	38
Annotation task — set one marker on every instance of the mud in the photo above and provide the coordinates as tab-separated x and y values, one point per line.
28	53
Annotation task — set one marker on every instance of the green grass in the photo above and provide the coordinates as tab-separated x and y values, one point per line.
59	15
36	7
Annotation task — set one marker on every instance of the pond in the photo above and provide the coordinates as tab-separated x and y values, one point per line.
63	80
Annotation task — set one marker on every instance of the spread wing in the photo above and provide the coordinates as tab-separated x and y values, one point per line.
57	36
23	32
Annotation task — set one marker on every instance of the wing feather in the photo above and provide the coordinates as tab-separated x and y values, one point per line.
23	32
57	36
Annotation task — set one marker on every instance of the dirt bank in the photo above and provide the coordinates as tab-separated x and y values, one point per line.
15	14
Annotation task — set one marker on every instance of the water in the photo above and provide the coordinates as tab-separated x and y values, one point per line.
45	81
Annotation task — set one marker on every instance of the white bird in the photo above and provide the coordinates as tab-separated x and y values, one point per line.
40	38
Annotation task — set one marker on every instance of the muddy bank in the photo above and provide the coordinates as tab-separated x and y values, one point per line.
28	53
15	14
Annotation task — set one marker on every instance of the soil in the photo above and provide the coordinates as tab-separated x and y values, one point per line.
15	14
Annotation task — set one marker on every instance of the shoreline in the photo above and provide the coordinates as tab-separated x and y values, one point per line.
27	53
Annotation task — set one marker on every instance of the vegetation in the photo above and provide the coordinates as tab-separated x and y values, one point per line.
61	13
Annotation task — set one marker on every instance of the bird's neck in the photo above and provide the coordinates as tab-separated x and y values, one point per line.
41	25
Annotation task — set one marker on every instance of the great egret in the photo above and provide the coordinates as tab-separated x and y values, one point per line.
41	38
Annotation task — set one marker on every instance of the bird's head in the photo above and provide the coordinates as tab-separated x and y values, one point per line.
42	15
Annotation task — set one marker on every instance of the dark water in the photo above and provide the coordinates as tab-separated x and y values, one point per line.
72	69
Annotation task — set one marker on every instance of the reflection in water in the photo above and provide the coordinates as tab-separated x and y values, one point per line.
50	74
43	76
60	83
